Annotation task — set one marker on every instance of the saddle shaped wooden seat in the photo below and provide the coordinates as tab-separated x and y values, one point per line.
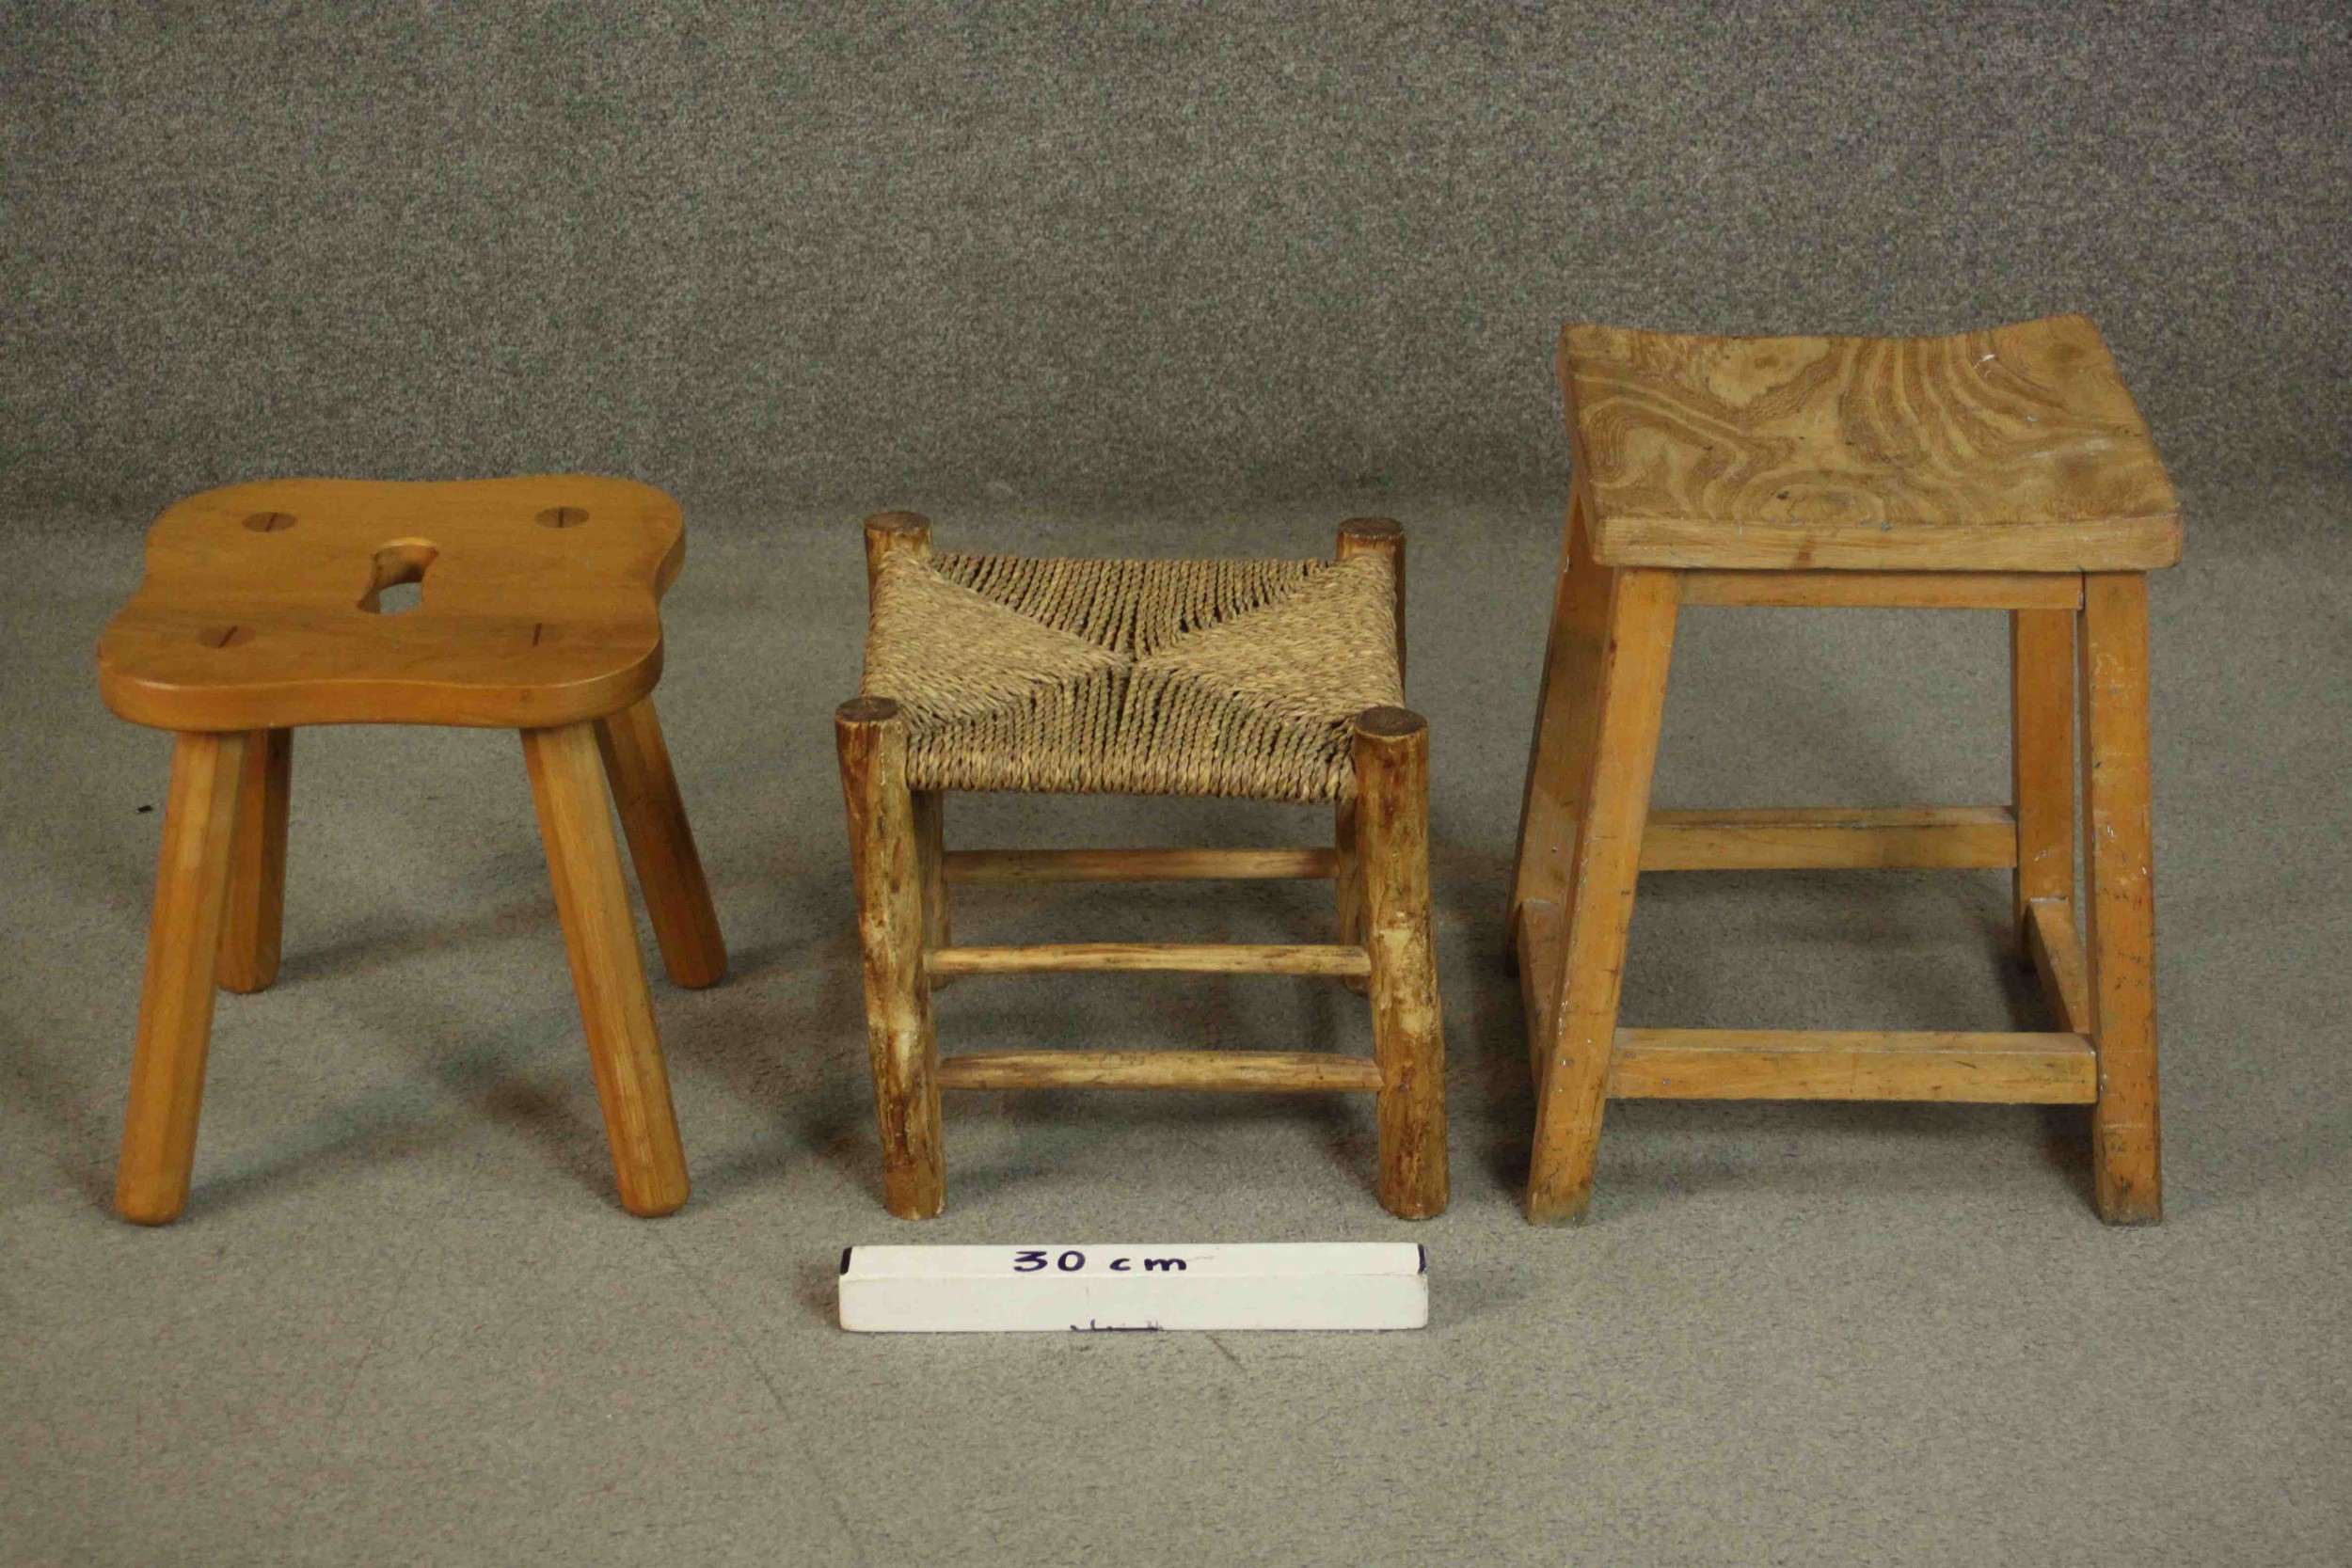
1274	680
262	609
2005	470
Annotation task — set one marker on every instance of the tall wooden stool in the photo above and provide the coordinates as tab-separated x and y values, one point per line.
262	609
1269	680
1991	470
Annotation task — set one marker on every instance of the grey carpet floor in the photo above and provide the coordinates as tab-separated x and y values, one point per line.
404	1319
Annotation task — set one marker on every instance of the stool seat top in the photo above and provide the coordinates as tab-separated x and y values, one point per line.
2016	449
1237	678
261	605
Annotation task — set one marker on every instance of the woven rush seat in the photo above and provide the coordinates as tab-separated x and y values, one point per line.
1237	678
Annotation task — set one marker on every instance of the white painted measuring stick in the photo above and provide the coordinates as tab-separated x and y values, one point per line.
985	1290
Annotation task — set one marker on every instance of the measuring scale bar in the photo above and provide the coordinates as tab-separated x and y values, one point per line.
1108	1286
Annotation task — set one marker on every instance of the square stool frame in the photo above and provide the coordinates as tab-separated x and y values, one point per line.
1587	831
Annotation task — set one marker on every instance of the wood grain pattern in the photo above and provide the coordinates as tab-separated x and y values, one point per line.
2126	1147
1629	699
1221	1072
901	1041
1139	865
1107	957
662	843
1830	838
1392	752
1779	1064
2017	449
608	971
253	934
176	1003
538	608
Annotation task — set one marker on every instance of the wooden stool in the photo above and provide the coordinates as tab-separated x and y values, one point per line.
1992	471
262	609
1274	680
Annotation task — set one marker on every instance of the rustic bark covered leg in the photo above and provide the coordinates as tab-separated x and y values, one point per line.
250	935
1407	1030
930	849
608	971
1571	1081
183	941
2041	753
1347	881
661	842
1560	756
887	861
2126	1147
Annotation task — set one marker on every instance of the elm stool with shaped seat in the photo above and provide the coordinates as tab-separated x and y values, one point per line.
262	609
1270	680
2004	469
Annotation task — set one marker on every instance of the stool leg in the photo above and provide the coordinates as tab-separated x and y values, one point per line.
2042	756
250	936
1381	536
661	842
1572	1079
1559	757
608	971
2121	953
183	939
1407	1028
1348	883
886	862
930	809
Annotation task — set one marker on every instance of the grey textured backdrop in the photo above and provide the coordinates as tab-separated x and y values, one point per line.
770	261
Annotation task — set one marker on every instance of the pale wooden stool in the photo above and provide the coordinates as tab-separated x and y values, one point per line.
2006	470
1276	680
262	609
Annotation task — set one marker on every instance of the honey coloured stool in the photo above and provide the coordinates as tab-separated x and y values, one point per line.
262	609
2004	469
1271	680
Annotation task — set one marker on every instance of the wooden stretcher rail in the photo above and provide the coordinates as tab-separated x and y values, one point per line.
1231	1071
1139	865
1831	838
1886	589
1745	1064
1110	957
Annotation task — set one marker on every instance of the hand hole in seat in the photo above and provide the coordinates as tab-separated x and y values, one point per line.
397	584
270	522
562	517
